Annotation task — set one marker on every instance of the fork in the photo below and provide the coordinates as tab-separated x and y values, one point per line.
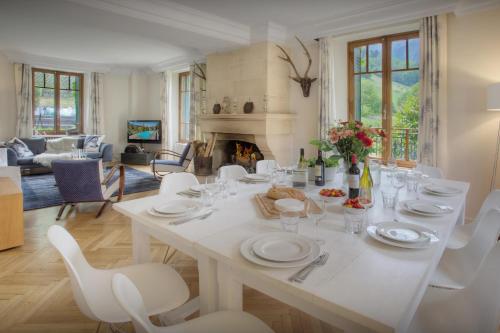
301	275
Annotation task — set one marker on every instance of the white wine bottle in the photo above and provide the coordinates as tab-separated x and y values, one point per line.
366	185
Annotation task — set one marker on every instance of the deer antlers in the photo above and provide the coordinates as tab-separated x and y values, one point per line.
202	75
305	81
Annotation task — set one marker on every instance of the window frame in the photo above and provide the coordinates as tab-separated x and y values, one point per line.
57	103
180	92
386	72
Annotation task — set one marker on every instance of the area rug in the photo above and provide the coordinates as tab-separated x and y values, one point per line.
39	191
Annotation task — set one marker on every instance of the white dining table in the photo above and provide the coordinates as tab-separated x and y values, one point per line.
365	285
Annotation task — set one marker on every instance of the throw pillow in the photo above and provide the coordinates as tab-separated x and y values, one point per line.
92	143
21	149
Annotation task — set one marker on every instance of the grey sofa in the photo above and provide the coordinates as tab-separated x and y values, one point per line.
38	146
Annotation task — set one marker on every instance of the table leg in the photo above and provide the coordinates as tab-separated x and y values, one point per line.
231	290
141	250
207	271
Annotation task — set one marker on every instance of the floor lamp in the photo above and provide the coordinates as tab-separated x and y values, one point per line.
494	105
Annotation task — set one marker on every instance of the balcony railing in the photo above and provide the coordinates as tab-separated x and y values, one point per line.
404	144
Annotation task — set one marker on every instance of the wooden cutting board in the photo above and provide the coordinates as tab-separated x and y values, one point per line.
266	206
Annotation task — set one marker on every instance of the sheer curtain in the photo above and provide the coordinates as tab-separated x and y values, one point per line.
197	99
95	118
326	89
22	77
164	107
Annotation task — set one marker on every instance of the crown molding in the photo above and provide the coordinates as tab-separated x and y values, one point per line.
175	16
54	63
177	63
270	32
467	7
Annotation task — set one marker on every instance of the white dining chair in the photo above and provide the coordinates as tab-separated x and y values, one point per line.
432	172
232	172
173	183
162	287
130	299
266	166
476	308
458	267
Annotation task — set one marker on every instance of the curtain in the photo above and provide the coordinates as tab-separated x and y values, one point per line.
22	77
95	118
429	91
197	99
326	89
164	108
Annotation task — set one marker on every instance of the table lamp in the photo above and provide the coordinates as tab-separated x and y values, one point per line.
493	104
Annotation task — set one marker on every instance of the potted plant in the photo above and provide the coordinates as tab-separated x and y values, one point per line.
331	167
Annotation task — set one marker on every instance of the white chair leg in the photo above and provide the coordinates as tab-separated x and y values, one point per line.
178	315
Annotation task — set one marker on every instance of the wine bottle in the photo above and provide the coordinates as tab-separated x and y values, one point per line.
353	178
319	170
300	173
366	185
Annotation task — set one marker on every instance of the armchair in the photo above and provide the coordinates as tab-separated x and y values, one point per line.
84	181
173	161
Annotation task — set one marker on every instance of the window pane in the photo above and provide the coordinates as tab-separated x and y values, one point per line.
74	82
69	109
64	82
368	99
360	59
375	57
44	113
398	54
39	79
405	113
49	80
413	53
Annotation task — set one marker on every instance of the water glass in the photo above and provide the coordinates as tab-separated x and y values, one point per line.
399	179
316	215
389	197
412	180
354	219
232	187
391	166
290	221
207	197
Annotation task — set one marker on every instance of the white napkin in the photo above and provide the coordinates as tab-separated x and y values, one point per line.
179	220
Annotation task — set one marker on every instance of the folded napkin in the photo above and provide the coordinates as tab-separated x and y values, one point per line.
190	193
179	220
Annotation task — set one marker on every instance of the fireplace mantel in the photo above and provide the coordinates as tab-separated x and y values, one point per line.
272	132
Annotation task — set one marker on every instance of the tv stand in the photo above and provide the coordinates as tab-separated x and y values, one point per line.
142	158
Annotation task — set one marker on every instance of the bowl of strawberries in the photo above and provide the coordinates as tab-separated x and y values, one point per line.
331	194
354	206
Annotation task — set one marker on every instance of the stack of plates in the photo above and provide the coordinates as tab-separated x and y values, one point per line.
440	190
280	250
174	209
406	235
426	208
255	178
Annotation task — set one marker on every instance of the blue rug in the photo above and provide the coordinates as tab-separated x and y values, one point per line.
39	191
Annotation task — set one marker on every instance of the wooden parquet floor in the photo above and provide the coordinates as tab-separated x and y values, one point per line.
35	292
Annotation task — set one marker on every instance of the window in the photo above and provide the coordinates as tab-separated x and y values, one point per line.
57	102
384	85
184	105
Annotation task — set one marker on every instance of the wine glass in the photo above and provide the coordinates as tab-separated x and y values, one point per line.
316	215
398	181
391	166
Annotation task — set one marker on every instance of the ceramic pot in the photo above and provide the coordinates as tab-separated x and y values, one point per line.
248	107
216	109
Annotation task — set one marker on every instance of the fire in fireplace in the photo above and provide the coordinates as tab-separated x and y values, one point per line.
243	153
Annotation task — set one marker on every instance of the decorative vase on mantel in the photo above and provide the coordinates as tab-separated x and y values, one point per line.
216	109
248	107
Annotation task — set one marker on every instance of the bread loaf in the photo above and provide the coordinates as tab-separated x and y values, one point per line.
285	192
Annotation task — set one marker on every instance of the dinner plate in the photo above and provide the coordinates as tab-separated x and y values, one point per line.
441	190
372	232
403	232
283	247
256	177
426	208
289	205
197	188
246	250
177	207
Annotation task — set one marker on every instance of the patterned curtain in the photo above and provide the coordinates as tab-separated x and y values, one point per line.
429	91
326	91
164	108
22	77
197	99
95	118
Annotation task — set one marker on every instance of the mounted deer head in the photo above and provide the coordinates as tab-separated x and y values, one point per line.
305	81
200	75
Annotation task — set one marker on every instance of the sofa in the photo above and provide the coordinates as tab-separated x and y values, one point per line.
37	145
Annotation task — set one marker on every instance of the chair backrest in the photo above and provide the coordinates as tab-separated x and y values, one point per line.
491	201
76	265
130	299
176	182
232	172
79	180
266	166
433	172
187	154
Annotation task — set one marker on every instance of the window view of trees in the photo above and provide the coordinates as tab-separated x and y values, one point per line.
384	91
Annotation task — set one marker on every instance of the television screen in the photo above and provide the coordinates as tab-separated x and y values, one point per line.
144	131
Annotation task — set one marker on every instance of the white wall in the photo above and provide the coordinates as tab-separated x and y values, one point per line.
7	99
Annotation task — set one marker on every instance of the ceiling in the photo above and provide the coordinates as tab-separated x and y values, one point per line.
160	34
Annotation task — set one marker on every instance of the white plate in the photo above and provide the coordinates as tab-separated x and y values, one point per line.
425	208
282	248
289	205
153	212
256	177
372	231
403	232
197	188
247	253
177	207
442	190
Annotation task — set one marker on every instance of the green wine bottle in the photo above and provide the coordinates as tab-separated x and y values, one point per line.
366	185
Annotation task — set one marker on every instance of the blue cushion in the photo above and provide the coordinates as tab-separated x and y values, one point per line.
25	161
94	155
167	162
35	144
